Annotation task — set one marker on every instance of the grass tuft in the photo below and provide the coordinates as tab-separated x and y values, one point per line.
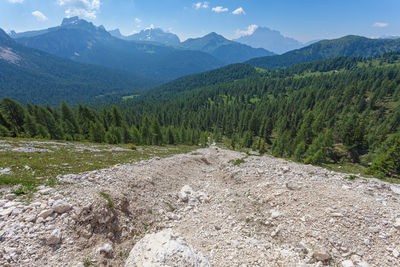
108	198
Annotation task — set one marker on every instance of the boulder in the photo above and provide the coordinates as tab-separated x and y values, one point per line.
45	213
54	238
165	248
321	255
60	206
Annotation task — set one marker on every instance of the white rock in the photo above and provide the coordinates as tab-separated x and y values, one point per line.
47	191
30	218
2	202
60	206
395	189
16	211
165	248
397	224
396	253
106	249
54	238
184	193
10	204
172	216
45	213
347	263
6	212
275	214
5	171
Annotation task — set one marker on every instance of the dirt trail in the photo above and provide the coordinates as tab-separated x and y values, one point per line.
263	212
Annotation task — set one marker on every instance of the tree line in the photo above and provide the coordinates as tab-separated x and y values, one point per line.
83	123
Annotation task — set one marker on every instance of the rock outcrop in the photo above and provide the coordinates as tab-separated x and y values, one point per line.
165	248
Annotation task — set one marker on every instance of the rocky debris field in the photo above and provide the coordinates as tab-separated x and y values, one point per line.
200	209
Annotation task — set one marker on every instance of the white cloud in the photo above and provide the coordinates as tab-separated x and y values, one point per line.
380	24
249	31
201	5
239	11
137	20
220	9
16	1
81	8
39	15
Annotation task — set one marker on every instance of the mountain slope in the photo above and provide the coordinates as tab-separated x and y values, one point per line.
155	35
349	46
224	49
81	41
31	75
270	40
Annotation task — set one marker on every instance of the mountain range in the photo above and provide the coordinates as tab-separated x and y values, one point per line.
28	74
225	50
152	53
58	62
156	35
270	40
81	41
348	46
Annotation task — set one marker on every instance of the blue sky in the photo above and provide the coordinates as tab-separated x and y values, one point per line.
304	20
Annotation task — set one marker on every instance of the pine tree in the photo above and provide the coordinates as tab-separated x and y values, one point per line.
145	131
116	116
388	164
97	132
14	113
170	136
157	137
70	125
135	135
30	126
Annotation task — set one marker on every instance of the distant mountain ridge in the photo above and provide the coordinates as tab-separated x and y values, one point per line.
156	35
271	40
28	74
82	41
226	50
348	46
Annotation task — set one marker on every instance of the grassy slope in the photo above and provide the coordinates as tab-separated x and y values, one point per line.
68	158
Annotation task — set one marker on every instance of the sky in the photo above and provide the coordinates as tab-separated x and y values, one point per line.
304	20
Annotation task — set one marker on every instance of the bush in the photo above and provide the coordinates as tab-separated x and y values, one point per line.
132	147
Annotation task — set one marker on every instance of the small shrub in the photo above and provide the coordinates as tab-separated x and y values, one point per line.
132	147
237	162
351	177
20	191
108	198
87	262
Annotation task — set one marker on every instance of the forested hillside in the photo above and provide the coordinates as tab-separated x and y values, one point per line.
337	110
349	46
31	75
